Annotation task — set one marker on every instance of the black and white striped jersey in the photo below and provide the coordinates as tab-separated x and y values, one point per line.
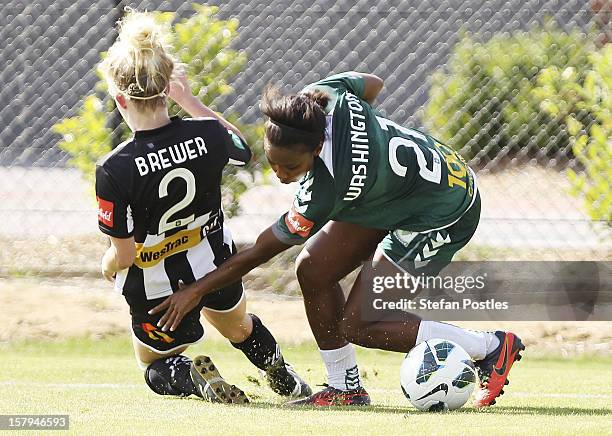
163	187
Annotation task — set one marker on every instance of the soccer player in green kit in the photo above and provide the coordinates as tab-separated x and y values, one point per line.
370	189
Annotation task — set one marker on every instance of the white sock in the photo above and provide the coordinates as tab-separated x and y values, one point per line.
342	370
476	344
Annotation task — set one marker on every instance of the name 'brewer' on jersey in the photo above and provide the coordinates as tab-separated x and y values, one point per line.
163	188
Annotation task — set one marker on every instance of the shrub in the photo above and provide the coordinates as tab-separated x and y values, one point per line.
567	94
484	105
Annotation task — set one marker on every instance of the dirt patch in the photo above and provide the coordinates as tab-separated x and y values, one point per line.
59	309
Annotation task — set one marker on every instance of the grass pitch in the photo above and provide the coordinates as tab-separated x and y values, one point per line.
99	385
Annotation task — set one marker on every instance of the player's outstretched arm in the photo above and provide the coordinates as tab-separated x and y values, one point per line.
182	302
180	92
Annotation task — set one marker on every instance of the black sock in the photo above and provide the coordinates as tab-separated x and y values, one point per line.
260	347
171	376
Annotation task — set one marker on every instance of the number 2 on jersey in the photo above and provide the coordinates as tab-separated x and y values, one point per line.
189	178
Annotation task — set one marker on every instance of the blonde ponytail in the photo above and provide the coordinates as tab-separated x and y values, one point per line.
139	64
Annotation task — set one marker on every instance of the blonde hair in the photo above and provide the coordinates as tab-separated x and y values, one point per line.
139	64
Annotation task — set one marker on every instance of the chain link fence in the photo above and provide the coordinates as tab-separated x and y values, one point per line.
534	168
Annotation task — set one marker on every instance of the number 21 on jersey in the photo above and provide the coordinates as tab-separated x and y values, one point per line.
457	169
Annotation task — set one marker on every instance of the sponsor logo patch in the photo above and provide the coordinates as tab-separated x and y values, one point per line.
297	223
105	211
149	256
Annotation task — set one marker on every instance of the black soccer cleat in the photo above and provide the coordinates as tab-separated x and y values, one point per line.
212	386
494	368
334	397
283	380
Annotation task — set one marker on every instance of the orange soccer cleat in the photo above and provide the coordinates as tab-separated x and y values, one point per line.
494	368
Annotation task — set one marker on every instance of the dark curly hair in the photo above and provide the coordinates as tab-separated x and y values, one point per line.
294	119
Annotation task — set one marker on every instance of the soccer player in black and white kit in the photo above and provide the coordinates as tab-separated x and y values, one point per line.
159	201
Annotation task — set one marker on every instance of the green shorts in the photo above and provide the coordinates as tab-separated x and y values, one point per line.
428	253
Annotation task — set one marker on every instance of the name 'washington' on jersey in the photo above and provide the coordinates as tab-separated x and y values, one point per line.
376	173
163	187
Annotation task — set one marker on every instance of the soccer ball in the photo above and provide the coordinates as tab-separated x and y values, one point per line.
437	375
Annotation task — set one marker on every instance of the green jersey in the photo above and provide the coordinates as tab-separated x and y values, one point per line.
375	173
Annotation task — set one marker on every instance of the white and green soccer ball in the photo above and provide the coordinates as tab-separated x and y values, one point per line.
437	375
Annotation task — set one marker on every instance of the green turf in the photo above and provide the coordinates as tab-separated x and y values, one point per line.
98	384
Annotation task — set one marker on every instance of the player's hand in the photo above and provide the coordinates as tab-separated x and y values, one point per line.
105	266
179	89
177	306
109	275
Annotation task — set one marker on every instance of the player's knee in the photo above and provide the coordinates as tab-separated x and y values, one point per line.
235	326
309	272
303	265
235	331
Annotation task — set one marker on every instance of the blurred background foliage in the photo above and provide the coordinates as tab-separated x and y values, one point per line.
568	95
540	95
